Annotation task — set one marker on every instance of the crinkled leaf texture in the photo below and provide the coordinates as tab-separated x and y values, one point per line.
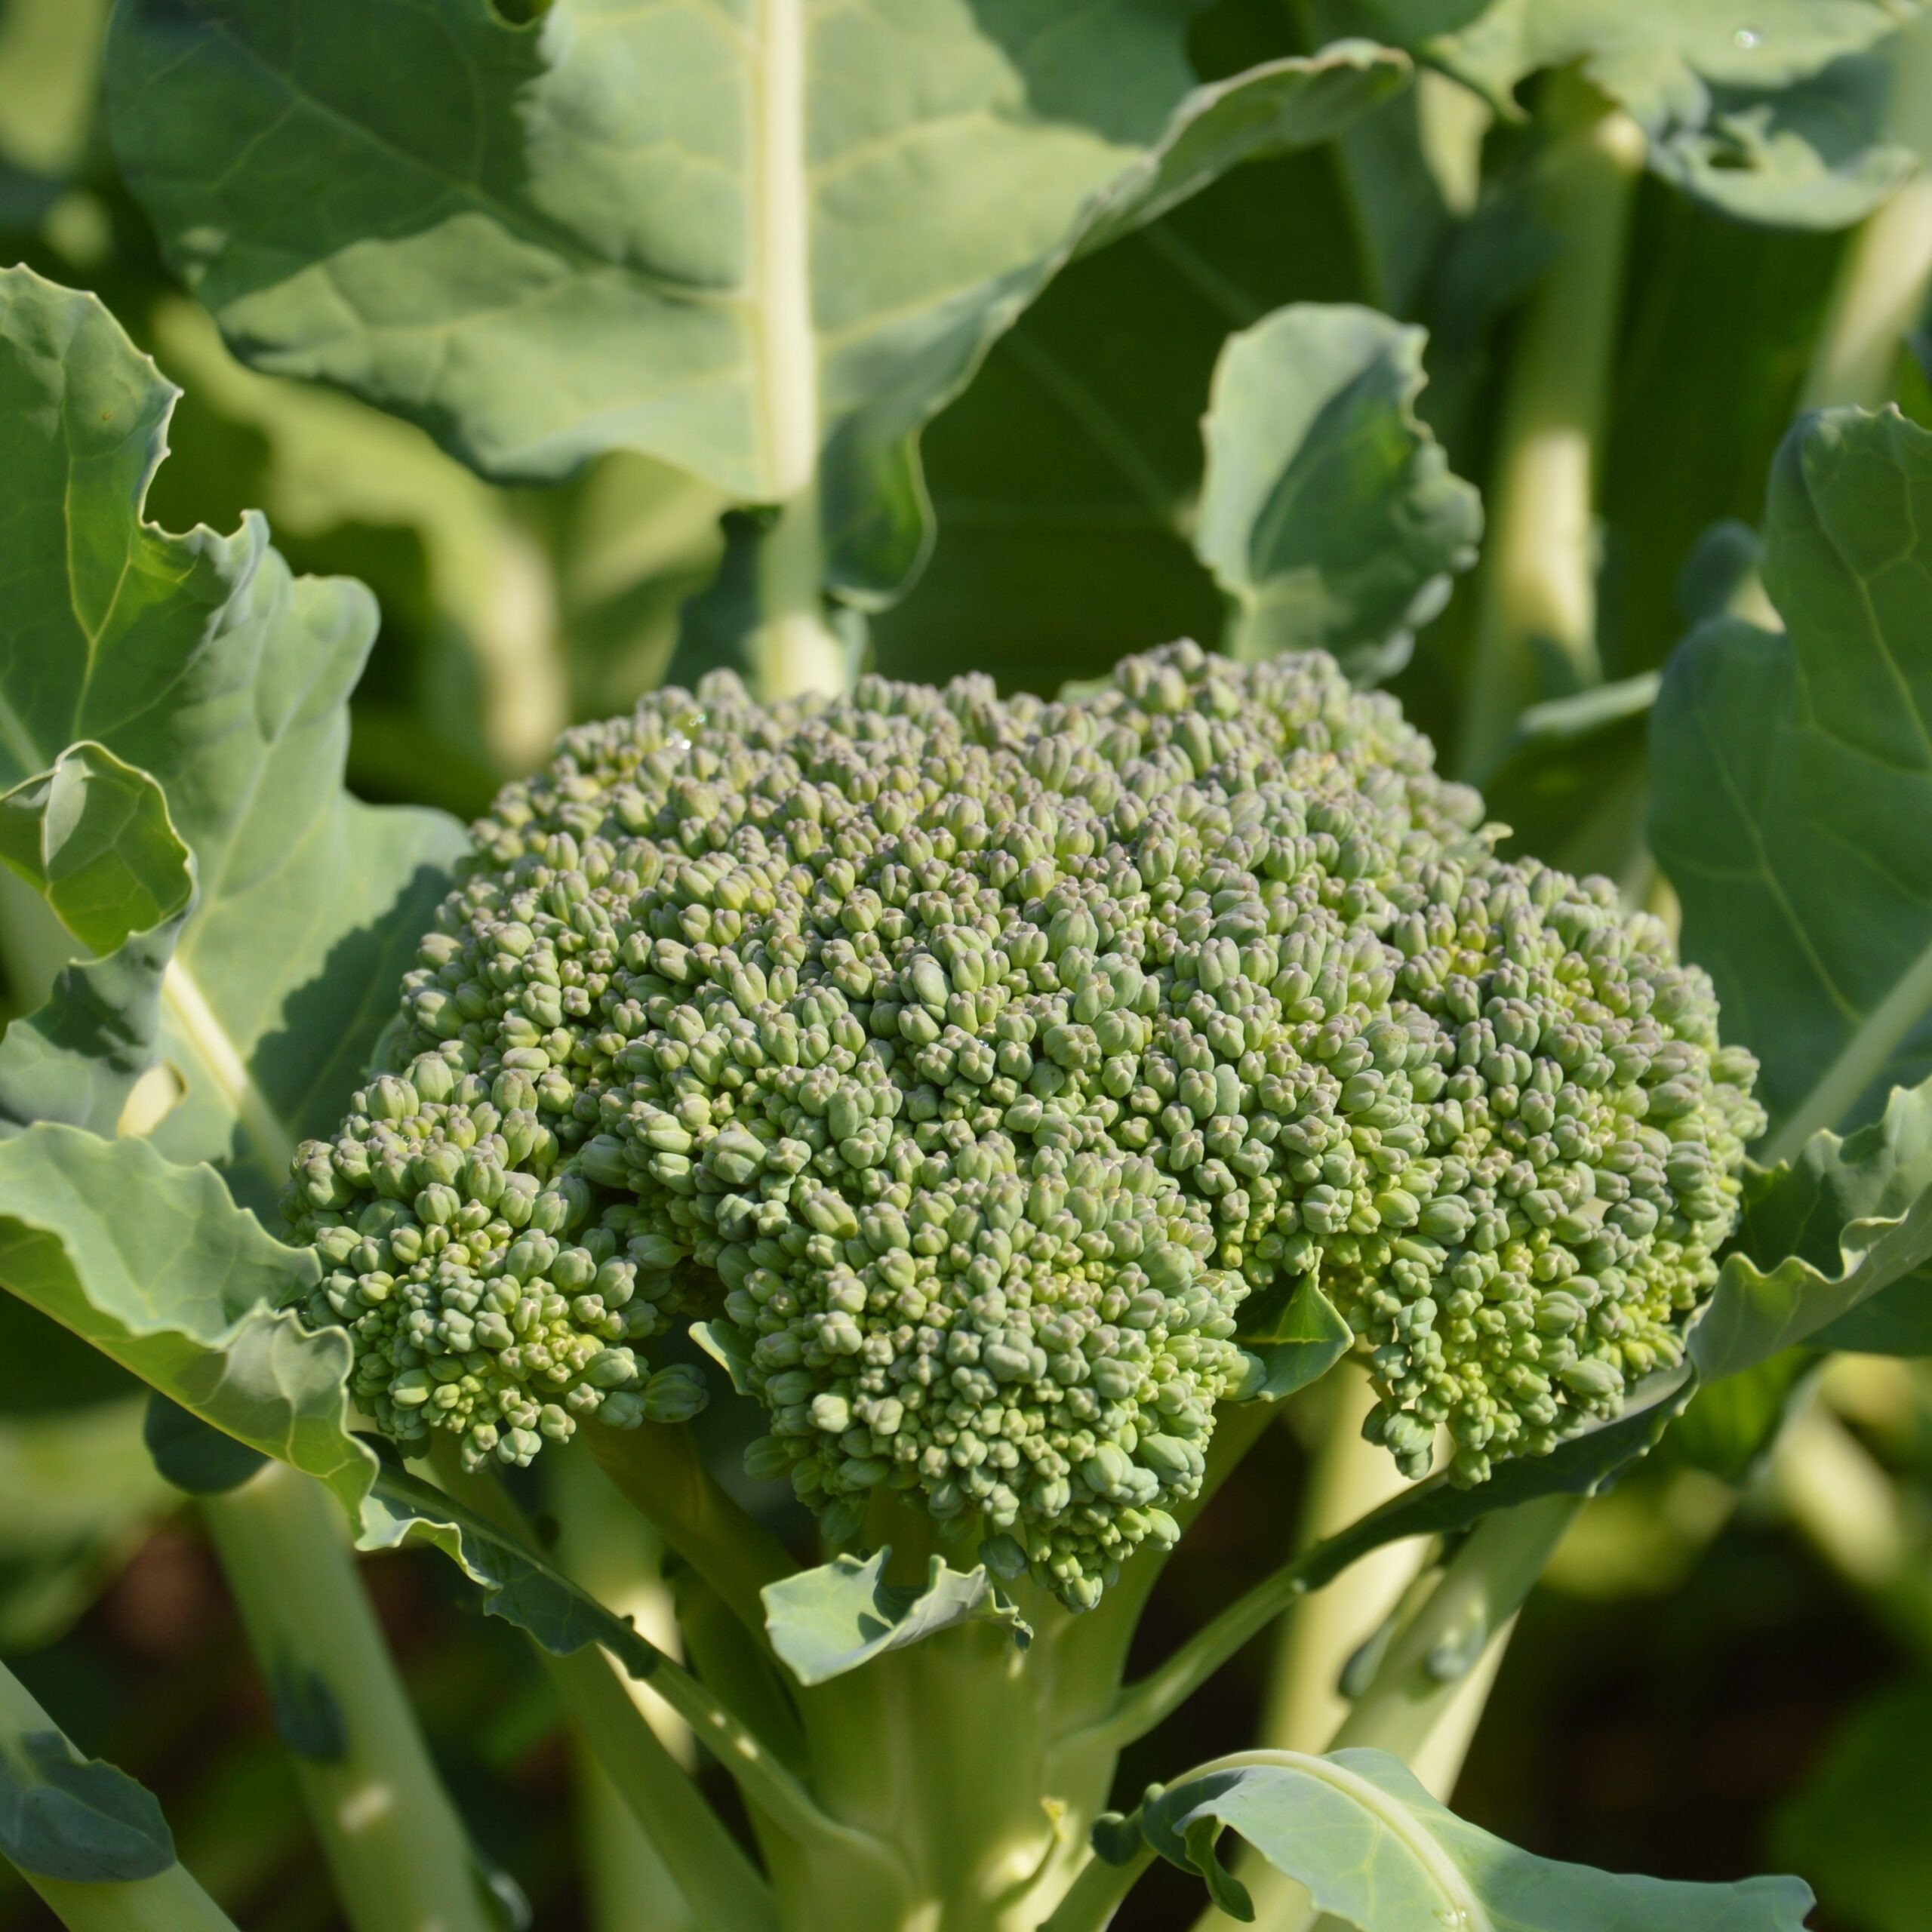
93	837
1822	1236
1793	781
154	1265
745	245
65	1816
517	1584
1328	512
825	1622
1374	1849
224	680
199	663
1770	110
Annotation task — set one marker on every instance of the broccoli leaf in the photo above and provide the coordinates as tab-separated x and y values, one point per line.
198	664
1769	111
827	1621
1821	1235
1372	1847
93	837
1792	773
65	1816
1328	513
1298	1334
154	1265
658	230
517	1585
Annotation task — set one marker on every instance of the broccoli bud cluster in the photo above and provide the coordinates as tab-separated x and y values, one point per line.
970	1063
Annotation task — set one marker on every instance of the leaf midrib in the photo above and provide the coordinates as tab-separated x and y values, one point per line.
785	371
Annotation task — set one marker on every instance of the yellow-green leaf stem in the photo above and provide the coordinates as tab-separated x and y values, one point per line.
607	1548
1536	635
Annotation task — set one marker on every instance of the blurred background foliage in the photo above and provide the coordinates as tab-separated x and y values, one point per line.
1729	1664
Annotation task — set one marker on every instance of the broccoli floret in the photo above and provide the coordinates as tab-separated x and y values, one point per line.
974	1060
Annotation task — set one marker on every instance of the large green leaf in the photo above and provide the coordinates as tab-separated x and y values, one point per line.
1296	1333
202	662
93	837
746	241
1769	110
1064	478
1359	1831
1327	511
1792	782
63	1816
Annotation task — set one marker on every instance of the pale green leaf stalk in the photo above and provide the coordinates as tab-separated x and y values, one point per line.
1536	631
168	1899
1888	266
1347	1478
701	1861
613	1551
1457	1634
1318	1634
396	1846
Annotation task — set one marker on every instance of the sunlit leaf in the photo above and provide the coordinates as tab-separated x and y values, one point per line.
1371	1847
667	229
200	661
92	836
1327	511
1769	110
825	1622
1823	1235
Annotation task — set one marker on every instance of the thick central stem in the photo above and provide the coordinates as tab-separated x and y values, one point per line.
949	1751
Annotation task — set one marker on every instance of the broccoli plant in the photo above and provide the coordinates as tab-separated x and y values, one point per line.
864	1147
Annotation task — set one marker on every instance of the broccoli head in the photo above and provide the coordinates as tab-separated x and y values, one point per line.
967	1064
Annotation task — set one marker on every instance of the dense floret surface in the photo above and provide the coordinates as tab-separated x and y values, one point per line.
980	1072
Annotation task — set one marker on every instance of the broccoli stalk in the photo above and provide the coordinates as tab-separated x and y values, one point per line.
397	1850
